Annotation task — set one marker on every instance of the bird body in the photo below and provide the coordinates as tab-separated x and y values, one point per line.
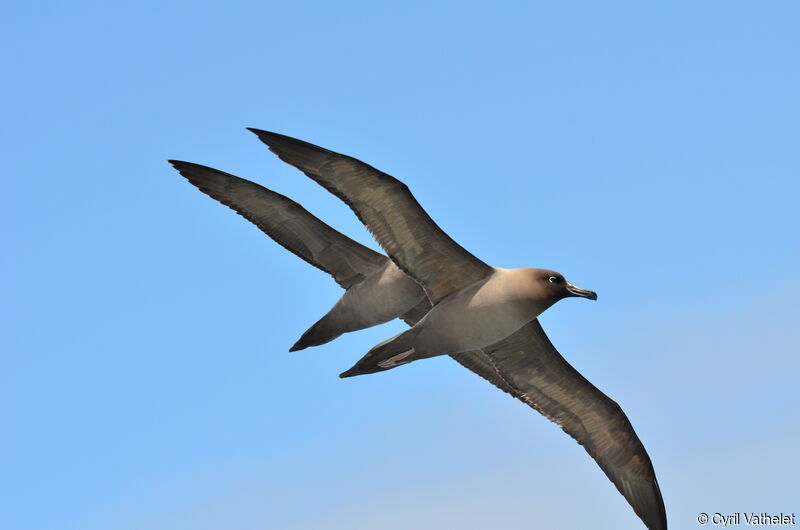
485	312
474	317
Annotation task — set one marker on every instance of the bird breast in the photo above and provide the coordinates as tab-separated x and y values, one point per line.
481	314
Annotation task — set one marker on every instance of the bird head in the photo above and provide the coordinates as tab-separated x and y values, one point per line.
558	287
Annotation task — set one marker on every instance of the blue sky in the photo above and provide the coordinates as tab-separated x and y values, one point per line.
648	152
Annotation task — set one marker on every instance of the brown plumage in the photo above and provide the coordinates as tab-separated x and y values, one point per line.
452	279
394	217
543	379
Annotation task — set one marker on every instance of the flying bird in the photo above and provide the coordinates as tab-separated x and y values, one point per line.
483	317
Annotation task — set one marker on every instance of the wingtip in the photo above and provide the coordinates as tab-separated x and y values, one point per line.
662	523
181	167
262	134
279	141
188	169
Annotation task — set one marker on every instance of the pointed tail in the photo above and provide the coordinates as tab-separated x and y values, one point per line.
388	354
320	333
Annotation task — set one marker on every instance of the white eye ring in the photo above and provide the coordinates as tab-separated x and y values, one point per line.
551	279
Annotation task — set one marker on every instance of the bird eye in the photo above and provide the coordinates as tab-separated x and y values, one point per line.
552	279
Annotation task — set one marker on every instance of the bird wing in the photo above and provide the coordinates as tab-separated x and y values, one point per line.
531	365
288	223
391	213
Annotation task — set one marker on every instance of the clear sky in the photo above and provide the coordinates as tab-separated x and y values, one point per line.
648	152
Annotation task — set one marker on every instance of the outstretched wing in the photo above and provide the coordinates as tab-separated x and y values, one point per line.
391	213
531	365
288	223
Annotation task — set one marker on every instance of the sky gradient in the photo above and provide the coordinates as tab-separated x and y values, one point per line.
647	152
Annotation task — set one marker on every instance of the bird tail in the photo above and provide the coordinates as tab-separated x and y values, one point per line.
321	332
386	355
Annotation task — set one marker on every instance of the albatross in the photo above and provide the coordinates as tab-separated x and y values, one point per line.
523	362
